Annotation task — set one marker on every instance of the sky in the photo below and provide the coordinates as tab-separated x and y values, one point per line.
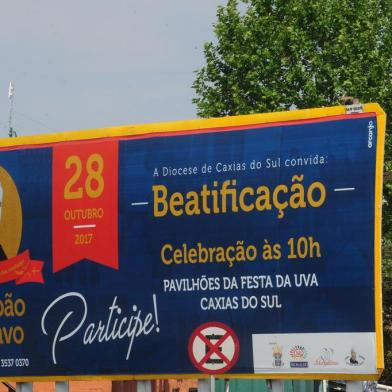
81	64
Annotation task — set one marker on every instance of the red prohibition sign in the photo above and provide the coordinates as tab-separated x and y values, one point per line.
213	348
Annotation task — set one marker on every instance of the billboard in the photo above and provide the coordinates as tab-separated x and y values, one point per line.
246	246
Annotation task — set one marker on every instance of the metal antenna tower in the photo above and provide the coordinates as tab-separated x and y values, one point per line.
11	93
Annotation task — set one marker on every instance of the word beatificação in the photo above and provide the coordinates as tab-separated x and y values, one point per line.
215	199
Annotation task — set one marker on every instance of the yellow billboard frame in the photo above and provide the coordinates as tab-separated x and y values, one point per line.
181	127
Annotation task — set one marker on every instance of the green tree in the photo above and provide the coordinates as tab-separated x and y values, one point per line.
277	53
273	55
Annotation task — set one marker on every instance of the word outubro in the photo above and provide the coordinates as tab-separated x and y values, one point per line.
227	197
115	327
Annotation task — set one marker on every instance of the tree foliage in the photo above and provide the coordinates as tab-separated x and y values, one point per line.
273	55
277	53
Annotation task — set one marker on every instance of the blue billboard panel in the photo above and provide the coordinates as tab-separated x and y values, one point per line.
246	250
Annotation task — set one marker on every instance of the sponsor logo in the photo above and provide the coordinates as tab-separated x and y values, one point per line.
326	358
354	359
277	353
298	354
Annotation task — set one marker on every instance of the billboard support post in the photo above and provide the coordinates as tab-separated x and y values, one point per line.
24	387
203	385
143	386
354	386
277	386
208	384
212	383
62	386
